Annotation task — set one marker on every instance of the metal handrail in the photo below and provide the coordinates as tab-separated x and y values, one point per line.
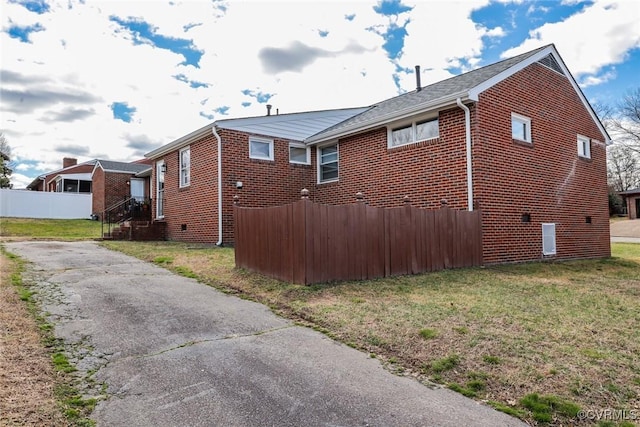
125	210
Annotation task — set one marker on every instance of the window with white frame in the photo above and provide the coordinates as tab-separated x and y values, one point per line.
413	132
185	167
328	163
299	153
260	148
520	127
549	239
584	147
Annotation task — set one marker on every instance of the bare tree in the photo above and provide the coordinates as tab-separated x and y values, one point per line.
623	167
623	122
5	158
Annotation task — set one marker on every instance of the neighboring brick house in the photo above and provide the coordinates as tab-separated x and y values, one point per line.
517	140
109	182
72	178
115	182
632	202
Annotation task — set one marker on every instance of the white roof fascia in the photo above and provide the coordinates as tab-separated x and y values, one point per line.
144	173
392	117
80	176
119	171
475	92
181	142
94	168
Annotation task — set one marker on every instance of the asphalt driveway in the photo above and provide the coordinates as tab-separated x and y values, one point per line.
174	352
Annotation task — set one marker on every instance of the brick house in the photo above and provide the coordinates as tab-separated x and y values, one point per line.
109	182
115	182
516	139
632	202
71	178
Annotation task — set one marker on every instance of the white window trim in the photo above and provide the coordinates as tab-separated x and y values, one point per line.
299	145
524	120
413	125
159	198
587	153
183	184
319	161
549	239
264	141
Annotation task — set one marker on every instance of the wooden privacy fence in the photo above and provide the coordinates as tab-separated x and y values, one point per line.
306	242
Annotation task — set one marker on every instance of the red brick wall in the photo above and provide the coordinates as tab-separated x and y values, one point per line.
428	172
98	189
546	179
116	188
195	207
265	183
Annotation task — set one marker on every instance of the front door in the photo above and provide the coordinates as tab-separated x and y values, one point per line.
137	189
160	170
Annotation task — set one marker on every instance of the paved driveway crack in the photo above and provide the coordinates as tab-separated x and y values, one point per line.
226	337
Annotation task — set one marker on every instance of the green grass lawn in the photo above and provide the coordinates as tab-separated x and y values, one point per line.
60	229
539	340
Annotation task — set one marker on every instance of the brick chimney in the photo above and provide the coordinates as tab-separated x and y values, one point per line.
68	161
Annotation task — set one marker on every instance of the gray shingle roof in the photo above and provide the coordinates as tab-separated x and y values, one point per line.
447	89
123	167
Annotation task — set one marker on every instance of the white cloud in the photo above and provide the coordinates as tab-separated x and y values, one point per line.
82	51
601	34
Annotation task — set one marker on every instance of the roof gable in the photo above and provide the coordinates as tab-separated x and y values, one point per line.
467	86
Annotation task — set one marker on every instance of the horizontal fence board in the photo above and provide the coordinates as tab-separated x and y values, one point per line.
306	242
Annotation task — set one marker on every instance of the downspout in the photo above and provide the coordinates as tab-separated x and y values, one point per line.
215	133
467	124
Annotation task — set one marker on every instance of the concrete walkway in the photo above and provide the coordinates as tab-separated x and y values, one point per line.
625	229
174	352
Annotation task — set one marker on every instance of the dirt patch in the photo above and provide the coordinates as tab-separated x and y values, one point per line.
27	377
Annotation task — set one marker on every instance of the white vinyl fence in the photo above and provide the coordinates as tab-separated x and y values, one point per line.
41	204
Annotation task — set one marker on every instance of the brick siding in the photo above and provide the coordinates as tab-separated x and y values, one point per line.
545	179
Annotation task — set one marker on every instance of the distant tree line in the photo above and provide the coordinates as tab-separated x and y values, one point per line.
5	163
622	121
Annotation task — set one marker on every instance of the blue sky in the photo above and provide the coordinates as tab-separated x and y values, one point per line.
114	80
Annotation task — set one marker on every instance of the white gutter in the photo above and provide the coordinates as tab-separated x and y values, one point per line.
467	124
215	133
